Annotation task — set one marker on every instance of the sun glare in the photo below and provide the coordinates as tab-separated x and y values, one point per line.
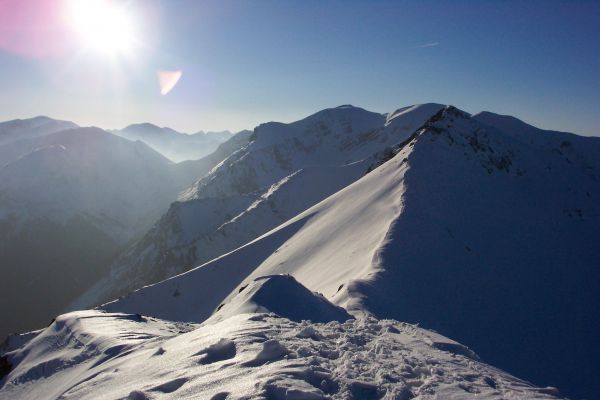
103	25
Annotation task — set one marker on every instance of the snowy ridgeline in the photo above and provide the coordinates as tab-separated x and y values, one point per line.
250	353
285	169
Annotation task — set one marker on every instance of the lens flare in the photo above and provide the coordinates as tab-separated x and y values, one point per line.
167	80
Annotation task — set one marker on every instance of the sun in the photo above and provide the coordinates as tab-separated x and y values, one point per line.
102	25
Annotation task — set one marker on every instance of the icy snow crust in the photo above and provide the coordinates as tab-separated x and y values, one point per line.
249	355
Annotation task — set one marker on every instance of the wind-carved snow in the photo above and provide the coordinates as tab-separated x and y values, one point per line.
283	295
250	355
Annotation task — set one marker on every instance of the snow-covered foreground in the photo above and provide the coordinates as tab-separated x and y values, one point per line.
249	352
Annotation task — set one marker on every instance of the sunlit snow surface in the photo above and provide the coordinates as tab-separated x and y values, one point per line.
98	355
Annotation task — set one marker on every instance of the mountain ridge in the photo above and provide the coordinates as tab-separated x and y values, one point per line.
174	145
264	184
478	226
439	213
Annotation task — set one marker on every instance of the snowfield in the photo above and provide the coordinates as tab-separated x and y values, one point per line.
252	353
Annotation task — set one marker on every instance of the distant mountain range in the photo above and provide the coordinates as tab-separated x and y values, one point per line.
174	145
481	227
76	196
20	129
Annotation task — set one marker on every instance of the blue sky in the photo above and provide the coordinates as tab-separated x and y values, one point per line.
247	62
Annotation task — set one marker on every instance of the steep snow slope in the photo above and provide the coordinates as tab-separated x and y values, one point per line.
467	230
283	171
251	353
20	129
174	145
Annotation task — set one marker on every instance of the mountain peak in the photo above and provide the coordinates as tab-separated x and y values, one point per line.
284	296
417	110
142	125
18	129
149	128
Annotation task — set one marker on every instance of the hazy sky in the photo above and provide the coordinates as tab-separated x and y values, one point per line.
247	62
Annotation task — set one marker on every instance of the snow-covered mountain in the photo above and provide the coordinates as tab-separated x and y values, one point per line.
481	227
265	347
19	129
174	145
285	169
90	171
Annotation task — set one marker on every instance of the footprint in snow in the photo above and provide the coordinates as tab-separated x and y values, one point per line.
224	349
137	395
220	396
272	351
171	386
